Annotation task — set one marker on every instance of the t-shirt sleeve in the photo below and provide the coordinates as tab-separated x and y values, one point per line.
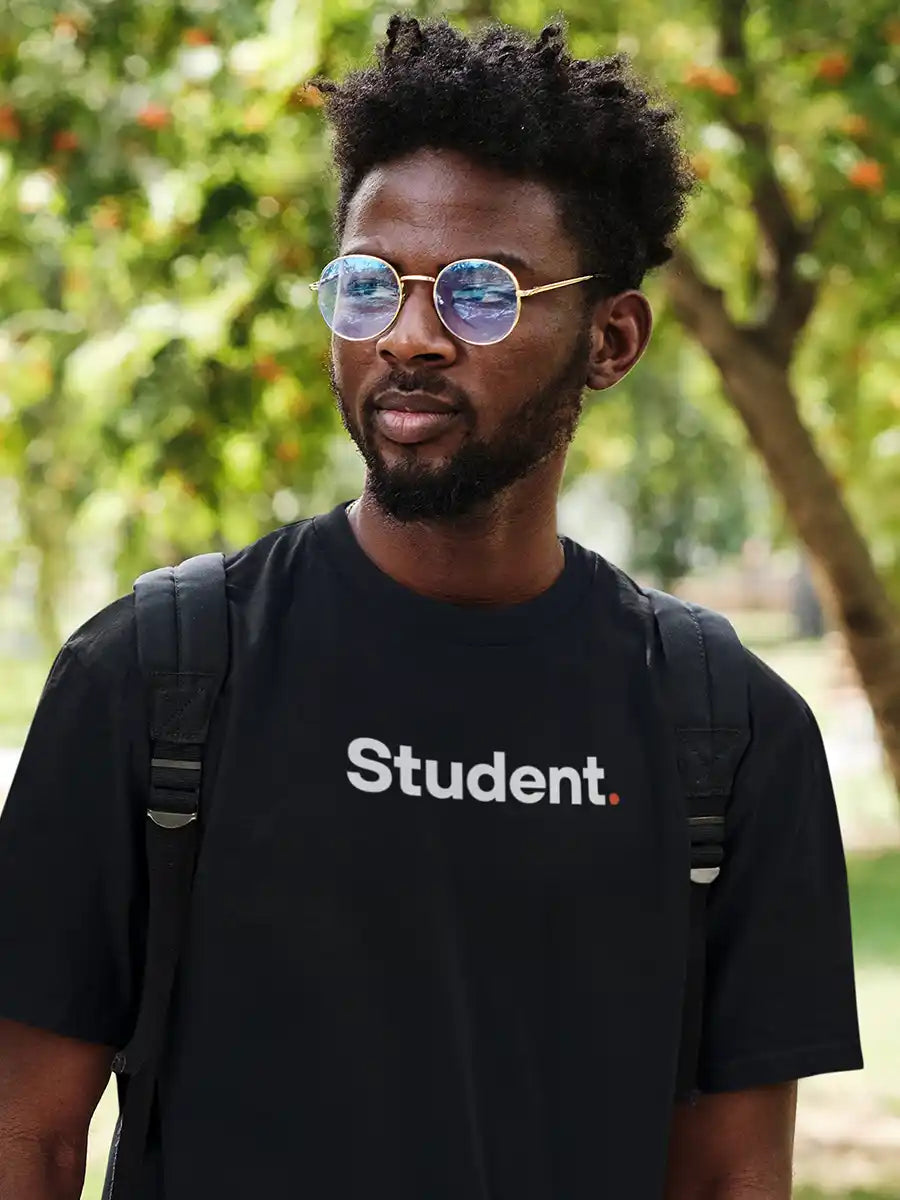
780	1000
72	880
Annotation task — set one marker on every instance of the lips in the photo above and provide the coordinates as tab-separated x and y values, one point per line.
411	418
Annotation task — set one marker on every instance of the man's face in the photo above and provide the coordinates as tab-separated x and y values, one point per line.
506	407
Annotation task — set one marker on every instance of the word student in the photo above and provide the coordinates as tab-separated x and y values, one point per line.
483	781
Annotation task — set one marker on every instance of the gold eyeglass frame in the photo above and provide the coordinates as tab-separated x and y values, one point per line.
521	294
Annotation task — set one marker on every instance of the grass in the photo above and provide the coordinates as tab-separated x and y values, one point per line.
875	897
807	1193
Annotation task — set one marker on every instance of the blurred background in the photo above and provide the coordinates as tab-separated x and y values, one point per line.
165	198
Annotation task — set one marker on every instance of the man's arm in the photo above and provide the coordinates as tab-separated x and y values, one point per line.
49	1088
733	1145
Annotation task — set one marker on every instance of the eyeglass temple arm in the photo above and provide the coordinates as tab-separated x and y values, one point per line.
551	287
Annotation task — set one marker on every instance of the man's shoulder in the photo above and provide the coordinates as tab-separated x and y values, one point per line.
769	694
107	641
778	712
268	557
774	705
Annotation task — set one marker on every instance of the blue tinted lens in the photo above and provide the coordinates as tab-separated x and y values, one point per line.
358	296
477	300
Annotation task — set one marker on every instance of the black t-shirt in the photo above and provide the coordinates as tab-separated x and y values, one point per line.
436	946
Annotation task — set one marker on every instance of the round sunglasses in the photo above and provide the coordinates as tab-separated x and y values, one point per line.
478	301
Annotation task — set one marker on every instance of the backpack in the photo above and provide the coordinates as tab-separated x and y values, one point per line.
696	662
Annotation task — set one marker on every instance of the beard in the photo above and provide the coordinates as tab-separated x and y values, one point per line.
481	468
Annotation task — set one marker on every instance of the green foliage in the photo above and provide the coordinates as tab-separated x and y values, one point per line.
23	679
875	895
677	466
165	198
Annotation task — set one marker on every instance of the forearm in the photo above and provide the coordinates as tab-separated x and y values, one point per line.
733	1146
768	1185
775	1185
775	1189
32	1168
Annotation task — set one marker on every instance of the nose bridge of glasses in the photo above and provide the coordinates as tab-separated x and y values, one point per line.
421	333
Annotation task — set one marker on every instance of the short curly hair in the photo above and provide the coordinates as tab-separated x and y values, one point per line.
586	128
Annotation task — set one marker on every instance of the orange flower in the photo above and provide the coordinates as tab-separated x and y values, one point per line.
855	126
65	140
712	79
833	67
696	76
268	368
722	82
867	175
288	450
10	125
154	116
196	37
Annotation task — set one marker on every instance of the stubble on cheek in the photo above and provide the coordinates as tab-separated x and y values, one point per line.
347	418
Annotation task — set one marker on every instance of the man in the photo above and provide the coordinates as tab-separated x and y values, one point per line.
437	937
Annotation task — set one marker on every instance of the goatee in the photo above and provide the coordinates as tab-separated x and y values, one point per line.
481	468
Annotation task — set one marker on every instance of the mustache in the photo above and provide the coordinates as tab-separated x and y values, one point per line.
418	380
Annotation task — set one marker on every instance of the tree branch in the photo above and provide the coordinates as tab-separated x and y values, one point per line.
738	351
701	309
793	298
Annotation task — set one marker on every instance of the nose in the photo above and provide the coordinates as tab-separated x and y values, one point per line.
418	334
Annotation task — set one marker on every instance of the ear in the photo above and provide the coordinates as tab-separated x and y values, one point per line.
620	330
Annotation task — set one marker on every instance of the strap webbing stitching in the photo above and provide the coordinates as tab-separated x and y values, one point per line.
701	646
175	576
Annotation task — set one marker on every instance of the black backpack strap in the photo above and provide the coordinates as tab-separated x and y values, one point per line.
703	679
183	648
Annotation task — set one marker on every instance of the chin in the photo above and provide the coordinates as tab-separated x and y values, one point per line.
430	456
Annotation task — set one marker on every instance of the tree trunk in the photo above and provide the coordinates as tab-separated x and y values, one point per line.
756	381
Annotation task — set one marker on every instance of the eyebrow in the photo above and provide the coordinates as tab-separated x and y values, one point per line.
514	261
508	260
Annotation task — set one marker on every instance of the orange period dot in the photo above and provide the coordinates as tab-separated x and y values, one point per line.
614	797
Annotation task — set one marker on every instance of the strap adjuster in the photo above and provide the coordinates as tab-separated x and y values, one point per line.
175	791
707	835
169	820
704	874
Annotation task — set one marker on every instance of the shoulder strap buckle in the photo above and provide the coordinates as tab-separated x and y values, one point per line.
704	874
174	791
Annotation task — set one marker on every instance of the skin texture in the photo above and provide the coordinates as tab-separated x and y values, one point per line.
49	1088
733	1146
420	213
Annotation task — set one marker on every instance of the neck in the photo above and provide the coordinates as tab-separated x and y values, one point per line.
506	552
